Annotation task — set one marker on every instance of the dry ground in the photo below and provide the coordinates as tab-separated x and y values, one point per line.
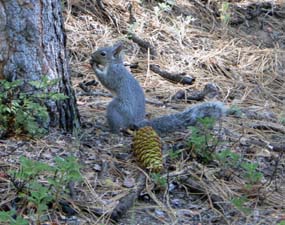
243	57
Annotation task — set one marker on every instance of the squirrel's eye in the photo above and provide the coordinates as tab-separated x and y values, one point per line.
103	53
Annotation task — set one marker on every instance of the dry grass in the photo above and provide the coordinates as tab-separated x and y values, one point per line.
247	65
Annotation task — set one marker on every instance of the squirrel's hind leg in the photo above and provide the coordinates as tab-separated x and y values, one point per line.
116	120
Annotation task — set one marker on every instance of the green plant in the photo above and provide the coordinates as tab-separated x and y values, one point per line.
281	222
225	13
65	171
240	204
159	180
173	154
39	197
251	174
202	139
228	159
30	168
282	119
30	189
24	112
10	218
164	7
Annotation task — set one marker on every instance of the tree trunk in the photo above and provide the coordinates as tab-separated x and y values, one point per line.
33	45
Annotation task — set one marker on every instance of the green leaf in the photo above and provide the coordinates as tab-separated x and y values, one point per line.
251	173
240	204
6	216
58	97
228	158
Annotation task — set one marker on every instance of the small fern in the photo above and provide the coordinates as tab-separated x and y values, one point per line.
24	112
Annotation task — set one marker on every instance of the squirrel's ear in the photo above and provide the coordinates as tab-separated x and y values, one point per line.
117	49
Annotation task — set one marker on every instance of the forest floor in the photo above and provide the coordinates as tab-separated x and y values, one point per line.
238	50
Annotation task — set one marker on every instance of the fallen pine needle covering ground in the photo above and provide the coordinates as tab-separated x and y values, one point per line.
237	176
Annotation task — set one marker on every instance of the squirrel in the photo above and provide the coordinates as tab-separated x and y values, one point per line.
127	108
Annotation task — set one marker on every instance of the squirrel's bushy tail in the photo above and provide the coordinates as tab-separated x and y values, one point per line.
189	117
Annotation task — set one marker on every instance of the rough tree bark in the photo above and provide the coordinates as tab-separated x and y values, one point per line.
32	45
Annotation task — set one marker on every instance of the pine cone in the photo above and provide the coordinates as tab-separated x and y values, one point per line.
147	149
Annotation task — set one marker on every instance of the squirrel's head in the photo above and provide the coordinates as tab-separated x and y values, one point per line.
102	57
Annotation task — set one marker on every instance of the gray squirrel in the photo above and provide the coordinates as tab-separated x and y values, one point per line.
127	109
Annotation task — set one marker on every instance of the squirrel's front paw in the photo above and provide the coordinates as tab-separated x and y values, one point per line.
134	127
130	130
126	131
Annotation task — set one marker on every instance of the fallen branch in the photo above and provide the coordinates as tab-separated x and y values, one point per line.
142	43
266	125
267	145
172	77
253	141
209	89
127	202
